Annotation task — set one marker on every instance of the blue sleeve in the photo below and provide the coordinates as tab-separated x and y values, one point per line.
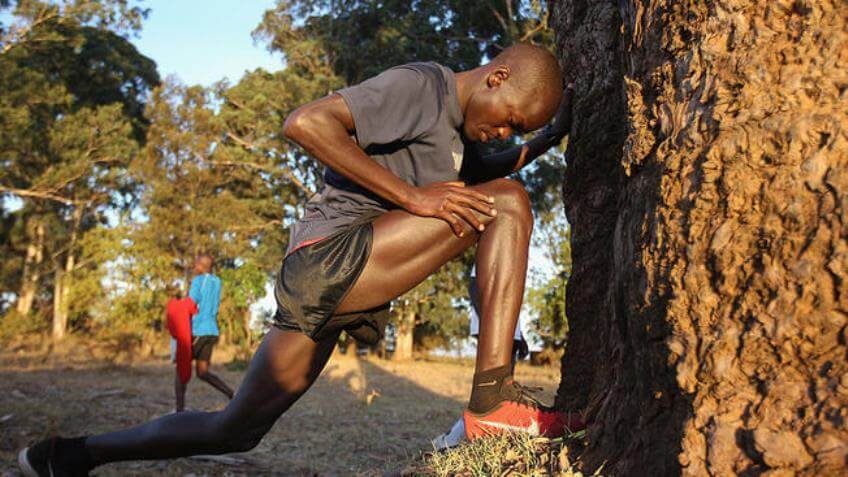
217	291
194	291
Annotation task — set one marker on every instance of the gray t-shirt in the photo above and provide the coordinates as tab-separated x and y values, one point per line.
408	119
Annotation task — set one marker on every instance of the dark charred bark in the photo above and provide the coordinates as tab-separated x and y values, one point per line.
707	189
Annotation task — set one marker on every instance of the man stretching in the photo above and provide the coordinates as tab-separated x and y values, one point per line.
392	212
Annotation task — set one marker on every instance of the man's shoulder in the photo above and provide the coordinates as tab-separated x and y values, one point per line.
429	71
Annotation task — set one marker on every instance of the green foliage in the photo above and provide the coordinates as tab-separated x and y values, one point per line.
71	120
38	23
358	39
13	325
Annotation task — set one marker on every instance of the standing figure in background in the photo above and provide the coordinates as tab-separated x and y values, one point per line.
178	315
206	293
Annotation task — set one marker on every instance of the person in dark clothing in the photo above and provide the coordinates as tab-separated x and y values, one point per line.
406	190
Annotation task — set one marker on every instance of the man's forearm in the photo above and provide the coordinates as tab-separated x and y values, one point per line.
501	164
326	138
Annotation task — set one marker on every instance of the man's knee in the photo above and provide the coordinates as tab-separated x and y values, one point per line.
202	370
511	201
234	436
248	440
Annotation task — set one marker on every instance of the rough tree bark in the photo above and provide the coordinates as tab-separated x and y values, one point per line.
707	190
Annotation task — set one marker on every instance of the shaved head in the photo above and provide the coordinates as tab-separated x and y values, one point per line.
517	92
535	76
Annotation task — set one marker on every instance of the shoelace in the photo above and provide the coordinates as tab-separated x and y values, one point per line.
525	396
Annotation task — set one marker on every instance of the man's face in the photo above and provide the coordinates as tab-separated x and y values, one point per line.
497	113
202	265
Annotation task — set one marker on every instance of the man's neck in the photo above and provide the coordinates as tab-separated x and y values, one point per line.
466	83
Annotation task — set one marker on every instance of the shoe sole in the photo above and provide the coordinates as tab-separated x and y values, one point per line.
24	465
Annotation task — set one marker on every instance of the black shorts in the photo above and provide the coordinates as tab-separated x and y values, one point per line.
314	280
201	347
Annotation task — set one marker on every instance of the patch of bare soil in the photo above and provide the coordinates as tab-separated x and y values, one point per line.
362	417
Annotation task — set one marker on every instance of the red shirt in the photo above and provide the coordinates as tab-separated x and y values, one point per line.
179	312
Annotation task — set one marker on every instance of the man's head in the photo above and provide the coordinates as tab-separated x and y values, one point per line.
174	290
203	264
517	92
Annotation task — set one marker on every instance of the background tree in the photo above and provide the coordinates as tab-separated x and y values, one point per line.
70	119
706	189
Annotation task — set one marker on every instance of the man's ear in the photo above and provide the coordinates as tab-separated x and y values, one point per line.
496	78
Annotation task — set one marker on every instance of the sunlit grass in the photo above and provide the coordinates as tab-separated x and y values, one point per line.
514	454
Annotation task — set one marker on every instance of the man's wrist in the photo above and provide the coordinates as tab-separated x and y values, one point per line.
406	196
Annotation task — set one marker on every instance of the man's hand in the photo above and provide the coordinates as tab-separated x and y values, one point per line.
453	203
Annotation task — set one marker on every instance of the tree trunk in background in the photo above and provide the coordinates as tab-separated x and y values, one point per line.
32	270
248	335
64	280
404	335
61	293
707	190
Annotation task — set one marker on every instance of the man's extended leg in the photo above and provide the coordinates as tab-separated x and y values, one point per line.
284	367
408	248
203	373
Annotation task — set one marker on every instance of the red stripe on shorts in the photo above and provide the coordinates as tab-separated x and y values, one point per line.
306	243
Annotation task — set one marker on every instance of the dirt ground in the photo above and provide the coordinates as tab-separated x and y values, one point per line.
362	417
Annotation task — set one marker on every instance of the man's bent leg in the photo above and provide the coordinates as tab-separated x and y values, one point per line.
284	367
203	373
407	249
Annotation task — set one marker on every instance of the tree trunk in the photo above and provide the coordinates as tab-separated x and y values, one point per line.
248	336
64	280
32	270
707	188
61	291
404	335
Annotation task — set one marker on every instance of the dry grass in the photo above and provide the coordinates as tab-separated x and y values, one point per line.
362	417
507	454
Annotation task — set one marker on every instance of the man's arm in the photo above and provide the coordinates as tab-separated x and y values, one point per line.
324	127
478	168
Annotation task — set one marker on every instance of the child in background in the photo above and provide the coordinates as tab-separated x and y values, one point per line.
178	315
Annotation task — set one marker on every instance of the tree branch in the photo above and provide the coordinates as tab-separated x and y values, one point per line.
15	37
38	195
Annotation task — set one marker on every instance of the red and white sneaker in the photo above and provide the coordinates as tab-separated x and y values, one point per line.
521	413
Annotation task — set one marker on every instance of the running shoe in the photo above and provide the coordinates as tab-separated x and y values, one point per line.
520	411
41	460
450	439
